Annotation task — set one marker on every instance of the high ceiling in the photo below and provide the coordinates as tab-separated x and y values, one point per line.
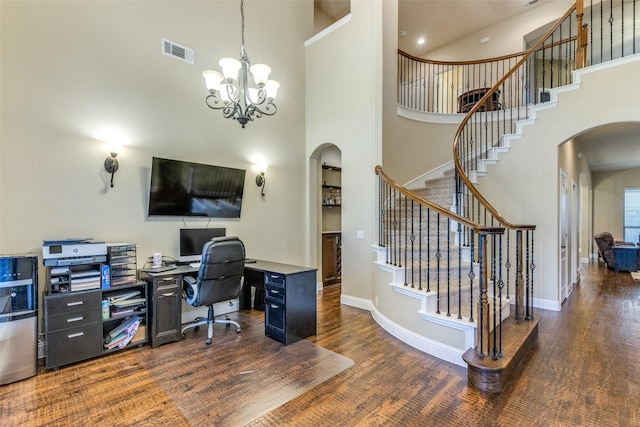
423	19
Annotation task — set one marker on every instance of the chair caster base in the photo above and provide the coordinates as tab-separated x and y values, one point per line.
208	341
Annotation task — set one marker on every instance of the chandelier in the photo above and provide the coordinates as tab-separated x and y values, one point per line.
230	91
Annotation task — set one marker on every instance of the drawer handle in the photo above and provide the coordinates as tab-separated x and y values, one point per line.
75	319
170	294
274	276
274	291
71	304
79	334
167	279
275	306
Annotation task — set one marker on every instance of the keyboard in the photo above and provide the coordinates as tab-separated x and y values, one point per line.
194	264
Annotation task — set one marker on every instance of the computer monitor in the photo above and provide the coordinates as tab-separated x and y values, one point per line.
193	239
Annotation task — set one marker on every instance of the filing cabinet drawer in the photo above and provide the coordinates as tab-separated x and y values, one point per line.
168	282
73	344
274	292
275	320
73	301
276	279
74	319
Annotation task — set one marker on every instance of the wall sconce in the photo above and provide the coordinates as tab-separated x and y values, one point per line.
111	164
261	181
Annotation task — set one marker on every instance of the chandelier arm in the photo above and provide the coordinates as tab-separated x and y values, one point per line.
217	103
269	109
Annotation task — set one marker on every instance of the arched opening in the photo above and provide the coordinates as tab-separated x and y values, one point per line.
326	210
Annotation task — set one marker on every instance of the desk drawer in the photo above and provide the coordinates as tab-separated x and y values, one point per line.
275	279
72	302
74	319
168	282
275	314
275	292
74	344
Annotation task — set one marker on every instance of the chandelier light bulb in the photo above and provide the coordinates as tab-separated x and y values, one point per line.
271	87
212	79
260	73
230	68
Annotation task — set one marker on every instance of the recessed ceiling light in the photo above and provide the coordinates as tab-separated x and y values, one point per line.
421	40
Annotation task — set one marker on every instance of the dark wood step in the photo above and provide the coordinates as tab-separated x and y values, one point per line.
486	374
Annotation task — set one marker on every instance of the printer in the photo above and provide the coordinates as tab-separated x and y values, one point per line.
57	253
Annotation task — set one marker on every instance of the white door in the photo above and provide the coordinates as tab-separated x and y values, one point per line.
575	220
564	219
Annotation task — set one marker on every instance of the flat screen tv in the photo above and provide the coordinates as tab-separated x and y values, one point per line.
193	239
193	189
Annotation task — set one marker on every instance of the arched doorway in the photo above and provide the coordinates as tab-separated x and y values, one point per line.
326	194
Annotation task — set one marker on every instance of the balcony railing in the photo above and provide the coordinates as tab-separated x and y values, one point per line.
599	32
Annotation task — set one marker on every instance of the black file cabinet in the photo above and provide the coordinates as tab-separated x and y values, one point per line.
73	327
290	305
165	305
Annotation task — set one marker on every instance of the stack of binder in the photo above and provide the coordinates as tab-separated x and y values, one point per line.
126	302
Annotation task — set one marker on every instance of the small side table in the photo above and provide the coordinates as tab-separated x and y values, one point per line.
626	258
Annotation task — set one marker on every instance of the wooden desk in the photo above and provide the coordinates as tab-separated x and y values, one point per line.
289	294
289	298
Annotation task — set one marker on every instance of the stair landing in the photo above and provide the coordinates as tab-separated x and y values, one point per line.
486	374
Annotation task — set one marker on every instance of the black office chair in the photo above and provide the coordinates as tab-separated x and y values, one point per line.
219	279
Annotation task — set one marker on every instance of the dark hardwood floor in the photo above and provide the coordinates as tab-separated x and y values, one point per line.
584	371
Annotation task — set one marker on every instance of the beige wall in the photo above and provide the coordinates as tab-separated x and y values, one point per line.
71	68
608	199
534	162
343	108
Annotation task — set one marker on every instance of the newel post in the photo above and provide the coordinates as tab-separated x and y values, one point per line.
484	317
583	36
519	277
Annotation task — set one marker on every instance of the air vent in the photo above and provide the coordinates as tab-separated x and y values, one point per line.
531	3
177	51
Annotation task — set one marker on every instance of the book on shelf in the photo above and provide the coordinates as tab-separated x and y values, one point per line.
85	273
123	295
85	285
124	281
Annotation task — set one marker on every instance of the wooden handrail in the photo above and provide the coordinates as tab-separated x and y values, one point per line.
442	211
456	159
486	60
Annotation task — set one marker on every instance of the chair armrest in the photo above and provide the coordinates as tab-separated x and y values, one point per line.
190	290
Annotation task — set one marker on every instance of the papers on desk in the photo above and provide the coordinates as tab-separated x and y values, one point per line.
125	302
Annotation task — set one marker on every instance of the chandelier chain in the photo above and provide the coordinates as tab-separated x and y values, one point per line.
243	54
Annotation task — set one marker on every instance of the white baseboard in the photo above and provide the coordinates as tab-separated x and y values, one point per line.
362	303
